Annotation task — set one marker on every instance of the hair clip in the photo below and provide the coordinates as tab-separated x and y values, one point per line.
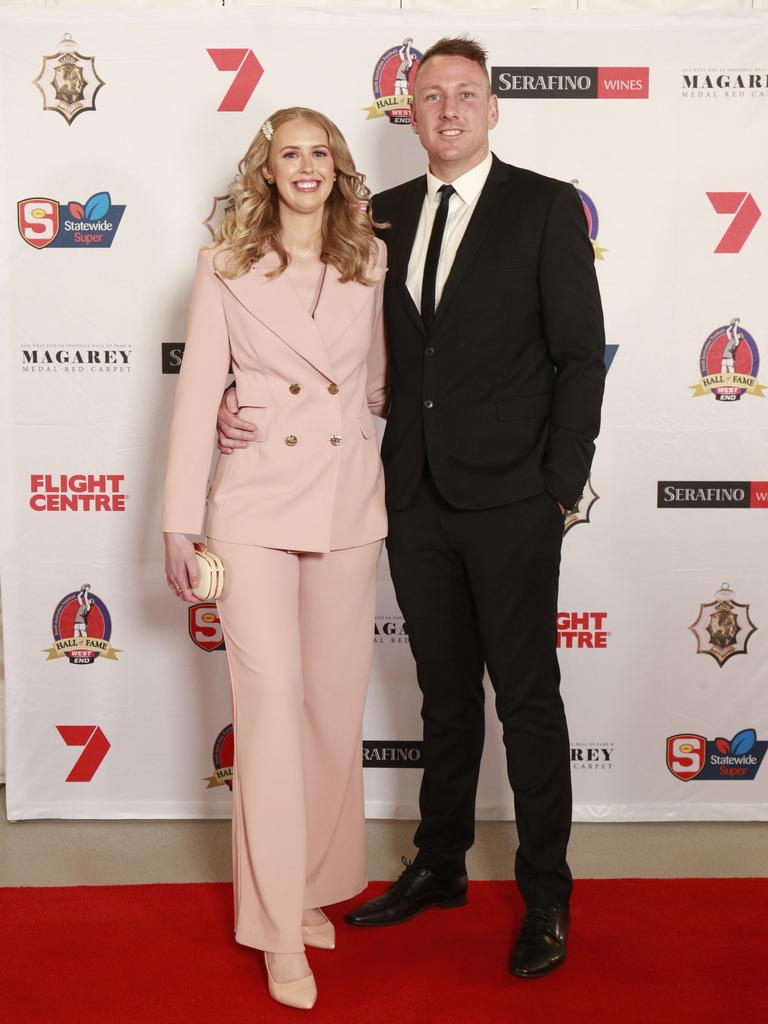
267	130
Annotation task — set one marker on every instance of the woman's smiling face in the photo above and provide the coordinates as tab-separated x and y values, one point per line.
301	164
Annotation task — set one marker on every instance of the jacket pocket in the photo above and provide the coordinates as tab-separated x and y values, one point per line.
367	426
523	407
253	401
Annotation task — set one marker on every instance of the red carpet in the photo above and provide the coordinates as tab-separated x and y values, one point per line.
645	951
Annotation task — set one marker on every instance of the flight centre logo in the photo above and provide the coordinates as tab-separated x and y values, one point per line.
692	757
729	364
582	630
223	759
205	626
593	221
49	224
723	627
392	80
82	629
68	81
80	492
608	83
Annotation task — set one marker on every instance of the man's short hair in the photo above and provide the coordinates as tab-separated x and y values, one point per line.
458	46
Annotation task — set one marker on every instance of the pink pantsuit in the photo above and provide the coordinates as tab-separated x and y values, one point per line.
297	518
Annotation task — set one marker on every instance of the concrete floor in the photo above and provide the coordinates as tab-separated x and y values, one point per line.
127	852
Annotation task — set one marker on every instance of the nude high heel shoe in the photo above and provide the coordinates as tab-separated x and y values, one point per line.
300	994
322	936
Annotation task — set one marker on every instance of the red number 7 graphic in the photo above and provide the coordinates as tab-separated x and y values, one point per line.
747	215
249	72
96	746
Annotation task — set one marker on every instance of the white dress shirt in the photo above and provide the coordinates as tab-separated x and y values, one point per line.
460	209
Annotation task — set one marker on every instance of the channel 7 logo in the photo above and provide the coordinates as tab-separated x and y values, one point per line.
746	213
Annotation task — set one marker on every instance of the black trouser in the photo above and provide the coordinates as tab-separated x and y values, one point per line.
480	588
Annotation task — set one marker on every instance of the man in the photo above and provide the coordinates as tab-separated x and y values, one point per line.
496	347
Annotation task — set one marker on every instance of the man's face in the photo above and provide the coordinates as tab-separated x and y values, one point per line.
453	113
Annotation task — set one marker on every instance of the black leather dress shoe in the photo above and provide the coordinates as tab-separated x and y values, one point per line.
540	947
415	890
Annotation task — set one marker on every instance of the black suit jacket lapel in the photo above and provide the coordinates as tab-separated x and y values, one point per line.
482	219
401	243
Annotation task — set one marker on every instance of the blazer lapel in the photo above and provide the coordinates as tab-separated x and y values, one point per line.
340	304
483	217
401	243
273	302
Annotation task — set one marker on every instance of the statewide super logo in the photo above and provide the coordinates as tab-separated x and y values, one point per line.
695	757
82	627
729	364
47	223
223	759
593	222
723	627
68	81
392	80
205	626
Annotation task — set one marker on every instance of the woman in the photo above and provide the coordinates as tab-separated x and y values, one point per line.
291	293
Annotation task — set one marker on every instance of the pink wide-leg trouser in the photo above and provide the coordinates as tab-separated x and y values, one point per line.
298	631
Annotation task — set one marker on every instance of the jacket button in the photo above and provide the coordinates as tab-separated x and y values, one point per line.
335	440
332	389
291	440
429	404
295	389
429	351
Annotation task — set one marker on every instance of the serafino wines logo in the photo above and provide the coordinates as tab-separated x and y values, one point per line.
690	757
746	213
729	364
552	83
392	80
249	72
723	627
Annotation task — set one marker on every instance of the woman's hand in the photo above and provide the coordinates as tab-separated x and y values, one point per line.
180	565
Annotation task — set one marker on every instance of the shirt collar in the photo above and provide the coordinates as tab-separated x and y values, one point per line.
468	186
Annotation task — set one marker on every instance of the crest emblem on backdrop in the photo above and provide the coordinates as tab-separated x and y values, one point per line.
723	627
68	81
593	221
82	627
581	513
392	80
729	364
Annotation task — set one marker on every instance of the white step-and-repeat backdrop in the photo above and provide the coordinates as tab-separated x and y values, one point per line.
121	132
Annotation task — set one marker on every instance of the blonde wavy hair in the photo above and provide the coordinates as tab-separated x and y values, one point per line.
251	225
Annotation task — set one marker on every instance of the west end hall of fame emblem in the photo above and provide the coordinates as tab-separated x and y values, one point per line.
723	627
68	81
392	80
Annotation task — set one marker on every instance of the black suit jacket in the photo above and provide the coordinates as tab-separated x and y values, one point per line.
503	395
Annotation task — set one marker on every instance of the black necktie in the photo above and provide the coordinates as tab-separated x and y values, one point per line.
433	256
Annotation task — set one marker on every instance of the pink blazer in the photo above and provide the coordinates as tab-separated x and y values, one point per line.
312	480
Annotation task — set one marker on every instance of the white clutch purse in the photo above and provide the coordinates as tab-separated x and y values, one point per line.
210	571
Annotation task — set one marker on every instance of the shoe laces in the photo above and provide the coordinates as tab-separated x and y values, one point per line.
410	871
537	918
